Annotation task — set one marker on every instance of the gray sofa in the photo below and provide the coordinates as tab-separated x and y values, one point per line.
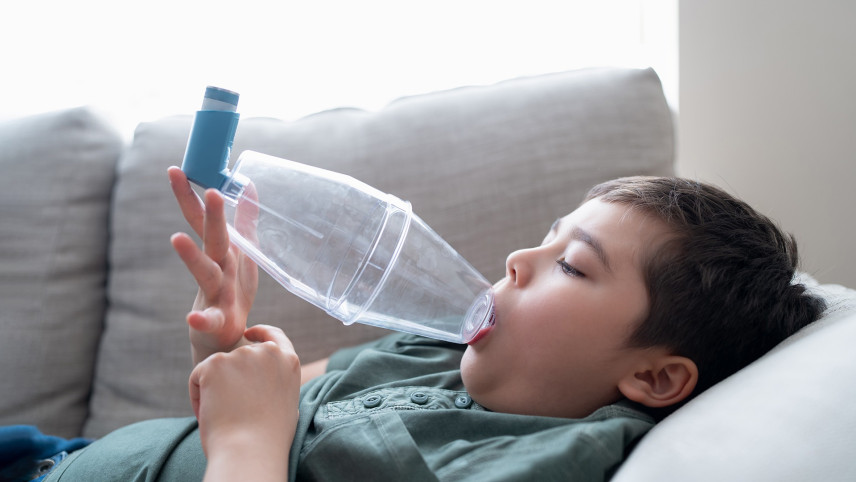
92	298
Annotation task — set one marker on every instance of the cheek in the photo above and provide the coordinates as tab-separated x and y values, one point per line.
584	323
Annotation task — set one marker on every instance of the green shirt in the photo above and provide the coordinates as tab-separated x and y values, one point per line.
395	409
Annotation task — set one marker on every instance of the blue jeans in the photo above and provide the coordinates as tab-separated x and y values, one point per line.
26	454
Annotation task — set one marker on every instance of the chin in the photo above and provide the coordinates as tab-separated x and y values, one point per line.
466	364
469	371
477	382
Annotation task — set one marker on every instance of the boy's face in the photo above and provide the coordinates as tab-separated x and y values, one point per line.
564	312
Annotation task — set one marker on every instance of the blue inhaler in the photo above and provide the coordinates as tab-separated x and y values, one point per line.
211	136
358	253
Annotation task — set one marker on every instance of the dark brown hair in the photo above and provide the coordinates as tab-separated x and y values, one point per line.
721	289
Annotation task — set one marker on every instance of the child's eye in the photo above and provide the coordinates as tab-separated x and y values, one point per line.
568	269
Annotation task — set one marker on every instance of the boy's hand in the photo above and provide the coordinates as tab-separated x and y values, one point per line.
227	278
246	402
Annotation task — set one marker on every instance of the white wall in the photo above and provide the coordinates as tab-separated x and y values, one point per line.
768	112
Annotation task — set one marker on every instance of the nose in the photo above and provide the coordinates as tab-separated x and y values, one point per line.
519	266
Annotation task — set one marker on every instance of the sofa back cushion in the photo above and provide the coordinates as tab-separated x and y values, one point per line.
489	168
57	176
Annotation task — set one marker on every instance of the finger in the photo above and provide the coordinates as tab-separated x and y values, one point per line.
264	333
205	271
189	203
215	236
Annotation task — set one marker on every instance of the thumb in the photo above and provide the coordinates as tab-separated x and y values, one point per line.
264	333
209	320
194	389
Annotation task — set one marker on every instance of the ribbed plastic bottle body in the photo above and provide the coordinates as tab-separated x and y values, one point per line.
356	252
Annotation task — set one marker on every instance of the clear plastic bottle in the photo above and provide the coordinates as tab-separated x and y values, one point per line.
356	252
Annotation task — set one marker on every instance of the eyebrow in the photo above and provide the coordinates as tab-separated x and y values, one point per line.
580	234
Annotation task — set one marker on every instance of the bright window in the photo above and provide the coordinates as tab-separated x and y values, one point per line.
143	60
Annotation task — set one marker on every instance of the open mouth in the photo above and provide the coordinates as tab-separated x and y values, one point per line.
486	328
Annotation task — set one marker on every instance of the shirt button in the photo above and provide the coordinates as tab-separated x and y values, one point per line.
419	398
372	401
463	401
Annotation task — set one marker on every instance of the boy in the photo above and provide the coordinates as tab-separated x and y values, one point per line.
651	291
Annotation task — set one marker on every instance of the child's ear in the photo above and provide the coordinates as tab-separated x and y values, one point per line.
661	382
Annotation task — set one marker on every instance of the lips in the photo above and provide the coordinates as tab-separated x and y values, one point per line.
485	329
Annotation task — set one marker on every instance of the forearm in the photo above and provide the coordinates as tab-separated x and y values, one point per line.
313	369
246	457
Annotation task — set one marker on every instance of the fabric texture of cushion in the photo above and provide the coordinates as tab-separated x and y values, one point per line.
489	168
58	171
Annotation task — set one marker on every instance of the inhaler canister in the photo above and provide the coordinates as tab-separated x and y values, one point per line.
217	98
